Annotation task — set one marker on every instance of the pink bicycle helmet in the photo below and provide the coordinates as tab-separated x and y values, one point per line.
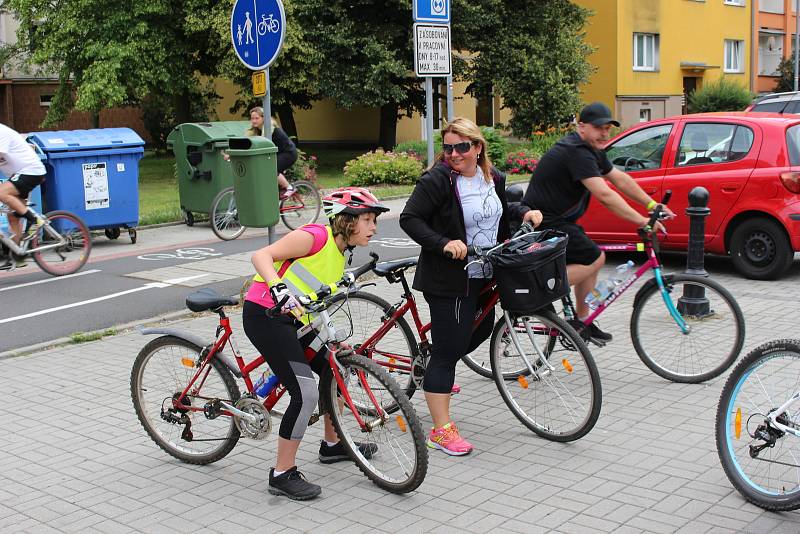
353	201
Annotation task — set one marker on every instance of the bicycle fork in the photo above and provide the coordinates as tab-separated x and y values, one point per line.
515	340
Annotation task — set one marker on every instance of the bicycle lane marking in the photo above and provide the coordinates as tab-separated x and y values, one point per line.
46	280
151	285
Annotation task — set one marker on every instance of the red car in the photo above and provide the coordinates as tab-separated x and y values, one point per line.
750	164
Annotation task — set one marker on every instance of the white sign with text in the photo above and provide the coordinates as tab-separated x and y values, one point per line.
432	50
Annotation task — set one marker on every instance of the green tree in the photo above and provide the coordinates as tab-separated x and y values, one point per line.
108	54
786	79
365	51
535	59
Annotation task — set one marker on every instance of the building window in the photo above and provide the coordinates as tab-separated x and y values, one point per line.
734	56
644	115
45	100
645	51
770	53
771	6
734	2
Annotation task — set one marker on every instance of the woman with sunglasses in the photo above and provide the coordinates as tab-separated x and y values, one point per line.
460	200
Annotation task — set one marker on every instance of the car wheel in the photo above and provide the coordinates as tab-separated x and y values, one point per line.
760	249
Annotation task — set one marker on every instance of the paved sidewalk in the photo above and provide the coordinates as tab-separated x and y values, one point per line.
73	457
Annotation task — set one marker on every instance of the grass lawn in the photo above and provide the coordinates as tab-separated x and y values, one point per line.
158	187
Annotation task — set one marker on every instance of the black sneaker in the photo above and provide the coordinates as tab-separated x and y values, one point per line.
330	454
292	484
580	328
596	333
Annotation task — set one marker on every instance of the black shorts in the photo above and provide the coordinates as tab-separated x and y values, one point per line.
25	183
580	249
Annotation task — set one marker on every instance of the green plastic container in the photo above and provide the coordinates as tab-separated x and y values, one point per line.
200	166
254	162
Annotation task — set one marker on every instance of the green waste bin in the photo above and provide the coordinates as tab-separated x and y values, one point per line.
201	169
254	162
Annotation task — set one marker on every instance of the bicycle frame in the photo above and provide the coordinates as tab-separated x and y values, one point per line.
321	323
651	263
23	250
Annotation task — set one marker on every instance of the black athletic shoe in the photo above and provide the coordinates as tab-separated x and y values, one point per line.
330	454
589	332
292	484
596	333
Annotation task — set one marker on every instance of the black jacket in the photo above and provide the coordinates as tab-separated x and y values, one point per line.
433	217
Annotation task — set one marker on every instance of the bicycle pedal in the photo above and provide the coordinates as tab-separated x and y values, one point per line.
598	342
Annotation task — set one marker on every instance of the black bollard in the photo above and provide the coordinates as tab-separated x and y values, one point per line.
694	301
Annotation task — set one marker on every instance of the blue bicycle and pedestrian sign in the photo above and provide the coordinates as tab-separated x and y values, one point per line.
257	31
437	11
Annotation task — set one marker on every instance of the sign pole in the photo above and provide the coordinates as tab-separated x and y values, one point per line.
429	117
267	131
450	111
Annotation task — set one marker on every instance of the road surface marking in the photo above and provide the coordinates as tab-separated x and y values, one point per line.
152	285
91	271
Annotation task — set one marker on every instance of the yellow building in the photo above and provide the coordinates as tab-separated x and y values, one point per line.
324	123
650	54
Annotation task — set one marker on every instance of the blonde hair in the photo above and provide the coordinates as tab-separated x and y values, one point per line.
259	131
464	127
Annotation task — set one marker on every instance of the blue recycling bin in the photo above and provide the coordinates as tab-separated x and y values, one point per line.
95	175
35	197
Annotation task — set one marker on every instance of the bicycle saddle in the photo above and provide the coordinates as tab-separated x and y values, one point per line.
385	268
208	299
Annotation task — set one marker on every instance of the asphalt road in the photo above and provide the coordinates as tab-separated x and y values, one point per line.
39	308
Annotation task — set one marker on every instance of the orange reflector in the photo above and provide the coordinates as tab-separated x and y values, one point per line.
737	423
187	362
400	423
392	362
567	365
522	381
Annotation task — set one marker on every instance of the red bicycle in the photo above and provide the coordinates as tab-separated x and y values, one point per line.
188	401
549	380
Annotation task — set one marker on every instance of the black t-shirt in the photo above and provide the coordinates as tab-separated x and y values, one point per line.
556	188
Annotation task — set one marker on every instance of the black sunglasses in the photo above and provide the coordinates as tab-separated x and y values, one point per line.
461	148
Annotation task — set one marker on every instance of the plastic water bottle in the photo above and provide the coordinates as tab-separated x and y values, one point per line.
604	288
265	384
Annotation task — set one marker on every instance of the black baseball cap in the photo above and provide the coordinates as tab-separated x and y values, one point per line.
596	114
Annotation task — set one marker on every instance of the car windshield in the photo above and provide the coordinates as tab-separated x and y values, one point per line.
643	149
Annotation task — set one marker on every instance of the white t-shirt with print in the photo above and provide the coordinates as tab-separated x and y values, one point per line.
16	156
482	211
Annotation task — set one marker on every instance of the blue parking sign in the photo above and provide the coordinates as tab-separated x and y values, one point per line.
437	11
257	31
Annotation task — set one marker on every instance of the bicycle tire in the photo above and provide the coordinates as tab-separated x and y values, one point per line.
399	462
225	217
702	354
562	404
302	207
764	379
69	257
368	313
170	377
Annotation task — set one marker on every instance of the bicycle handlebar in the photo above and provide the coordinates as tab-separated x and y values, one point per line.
657	211
317	301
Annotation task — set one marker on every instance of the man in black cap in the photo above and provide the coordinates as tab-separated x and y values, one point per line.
575	168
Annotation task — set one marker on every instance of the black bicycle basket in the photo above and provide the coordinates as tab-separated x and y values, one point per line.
531	272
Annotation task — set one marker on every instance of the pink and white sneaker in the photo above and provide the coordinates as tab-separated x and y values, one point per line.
455	390
448	440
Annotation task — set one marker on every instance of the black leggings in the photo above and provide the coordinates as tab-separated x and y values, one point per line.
276	340
452	335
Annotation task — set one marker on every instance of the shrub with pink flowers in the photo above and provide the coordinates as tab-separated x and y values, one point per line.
305	168
520	162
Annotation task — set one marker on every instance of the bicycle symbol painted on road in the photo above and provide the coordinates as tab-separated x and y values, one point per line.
270	25
197	253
